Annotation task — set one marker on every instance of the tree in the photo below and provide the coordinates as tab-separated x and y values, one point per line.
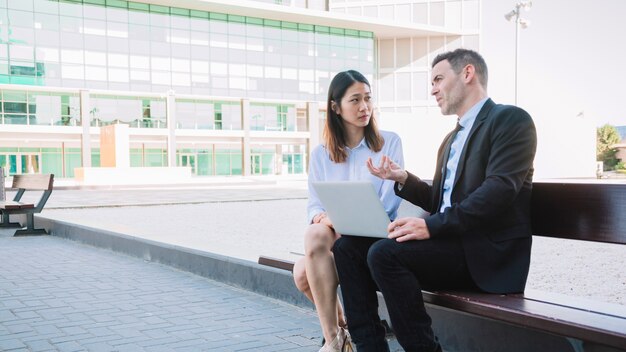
606	137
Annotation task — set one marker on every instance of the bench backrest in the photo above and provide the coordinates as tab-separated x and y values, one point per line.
34	182
582	211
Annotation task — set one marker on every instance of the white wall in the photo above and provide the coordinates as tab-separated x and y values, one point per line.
565	146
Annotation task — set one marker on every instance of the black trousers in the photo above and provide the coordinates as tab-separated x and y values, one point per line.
400	271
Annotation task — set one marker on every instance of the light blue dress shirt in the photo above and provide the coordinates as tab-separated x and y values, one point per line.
466	121
321	168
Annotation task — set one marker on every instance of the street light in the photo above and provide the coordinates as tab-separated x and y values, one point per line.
519	22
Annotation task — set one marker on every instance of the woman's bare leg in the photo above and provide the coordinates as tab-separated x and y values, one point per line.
299	277
322	276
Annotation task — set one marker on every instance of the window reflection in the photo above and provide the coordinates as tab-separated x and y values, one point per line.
94	46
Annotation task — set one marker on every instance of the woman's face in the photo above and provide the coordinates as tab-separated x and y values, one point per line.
355	107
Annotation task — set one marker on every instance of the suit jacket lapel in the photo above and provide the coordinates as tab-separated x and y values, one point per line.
480	119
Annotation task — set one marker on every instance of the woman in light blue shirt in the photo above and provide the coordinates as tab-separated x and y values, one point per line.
351	137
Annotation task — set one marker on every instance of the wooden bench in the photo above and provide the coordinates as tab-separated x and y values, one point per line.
23	183
573	211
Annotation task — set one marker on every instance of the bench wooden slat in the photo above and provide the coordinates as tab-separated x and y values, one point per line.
581	211
9	205
276	263
579	303
41	182
544	316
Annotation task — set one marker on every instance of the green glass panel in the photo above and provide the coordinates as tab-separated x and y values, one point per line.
95	158
159	9
366	34
117	3
352	32
198	14
338	31
135	160
8	150
218	16
178	11
298	165
322	29
30	81
268	164
3	164
138	6
254	20
154	159
5	79
50	150
236	18
271	23
222	164
236	163
52	163
289	25
30	150
306	27
95	2
72	160
204	165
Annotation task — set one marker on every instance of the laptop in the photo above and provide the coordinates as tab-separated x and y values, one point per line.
353	207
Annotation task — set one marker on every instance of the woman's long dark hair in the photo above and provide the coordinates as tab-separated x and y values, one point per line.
334	130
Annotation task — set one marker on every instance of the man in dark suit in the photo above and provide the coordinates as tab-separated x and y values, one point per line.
478	234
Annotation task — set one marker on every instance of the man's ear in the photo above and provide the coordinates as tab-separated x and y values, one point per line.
469	72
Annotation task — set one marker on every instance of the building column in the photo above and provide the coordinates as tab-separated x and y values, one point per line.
245	145
278	163
85	122
170	111
313	119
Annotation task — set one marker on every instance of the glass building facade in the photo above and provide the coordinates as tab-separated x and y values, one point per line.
130	46
114	47
241	83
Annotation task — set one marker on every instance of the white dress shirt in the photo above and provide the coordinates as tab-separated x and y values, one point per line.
466	121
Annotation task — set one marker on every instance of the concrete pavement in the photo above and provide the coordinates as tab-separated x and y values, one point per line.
60	295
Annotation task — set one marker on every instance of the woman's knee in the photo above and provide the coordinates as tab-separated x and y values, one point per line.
299	275
318	238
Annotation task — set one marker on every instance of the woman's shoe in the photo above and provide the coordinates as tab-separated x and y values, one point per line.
341	343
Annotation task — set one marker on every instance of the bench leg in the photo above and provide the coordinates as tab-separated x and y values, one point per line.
577	345
7	223
30	228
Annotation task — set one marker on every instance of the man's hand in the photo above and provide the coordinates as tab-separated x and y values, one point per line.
407	229
387	170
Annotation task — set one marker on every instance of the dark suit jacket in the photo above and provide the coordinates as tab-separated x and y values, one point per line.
490	198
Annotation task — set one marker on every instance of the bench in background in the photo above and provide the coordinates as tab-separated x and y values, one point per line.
24	183
573	211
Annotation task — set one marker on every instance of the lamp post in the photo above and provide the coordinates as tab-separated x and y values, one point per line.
519	22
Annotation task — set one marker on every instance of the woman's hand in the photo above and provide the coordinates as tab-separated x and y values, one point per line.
387	170
322	218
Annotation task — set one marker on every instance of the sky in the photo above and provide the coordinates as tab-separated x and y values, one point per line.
572	58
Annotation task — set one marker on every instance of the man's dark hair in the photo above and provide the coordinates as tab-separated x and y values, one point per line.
459	58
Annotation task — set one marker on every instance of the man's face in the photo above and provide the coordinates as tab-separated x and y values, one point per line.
448	88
